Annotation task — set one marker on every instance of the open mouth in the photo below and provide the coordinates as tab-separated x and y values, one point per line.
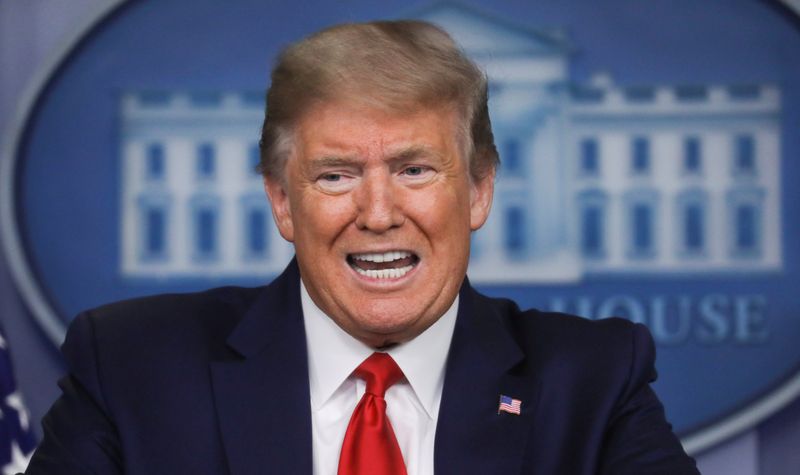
383	265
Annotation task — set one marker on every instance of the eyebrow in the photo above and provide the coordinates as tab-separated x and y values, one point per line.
402	155
412	152
334	161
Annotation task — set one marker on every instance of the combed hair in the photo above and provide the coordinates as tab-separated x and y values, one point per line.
396	66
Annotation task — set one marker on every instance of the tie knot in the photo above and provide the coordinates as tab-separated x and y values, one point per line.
380	372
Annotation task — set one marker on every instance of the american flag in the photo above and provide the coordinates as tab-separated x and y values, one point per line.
509	404
16	439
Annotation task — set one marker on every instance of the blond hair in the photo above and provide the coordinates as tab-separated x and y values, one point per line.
390	65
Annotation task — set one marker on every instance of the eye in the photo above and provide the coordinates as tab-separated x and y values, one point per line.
417	173
335	182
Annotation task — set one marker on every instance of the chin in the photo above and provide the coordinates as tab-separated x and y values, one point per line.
389	330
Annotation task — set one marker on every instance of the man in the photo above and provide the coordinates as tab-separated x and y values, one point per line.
379	163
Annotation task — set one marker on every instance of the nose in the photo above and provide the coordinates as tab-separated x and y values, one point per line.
377	204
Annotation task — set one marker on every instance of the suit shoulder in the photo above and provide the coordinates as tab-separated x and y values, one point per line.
564	334
229	296
203	316
553	323
231	300
606	330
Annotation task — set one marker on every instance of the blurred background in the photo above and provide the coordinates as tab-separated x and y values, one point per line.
645	173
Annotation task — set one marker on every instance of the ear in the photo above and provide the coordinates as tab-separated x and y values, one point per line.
481	200
281	208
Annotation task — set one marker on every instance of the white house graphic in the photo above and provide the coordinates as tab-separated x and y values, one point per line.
192	204
596	178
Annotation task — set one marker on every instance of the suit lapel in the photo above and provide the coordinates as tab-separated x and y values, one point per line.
484	362
261	392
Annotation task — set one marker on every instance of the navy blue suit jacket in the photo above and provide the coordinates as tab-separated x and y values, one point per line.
217	383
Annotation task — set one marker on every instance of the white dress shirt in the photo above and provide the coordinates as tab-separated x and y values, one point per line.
412	404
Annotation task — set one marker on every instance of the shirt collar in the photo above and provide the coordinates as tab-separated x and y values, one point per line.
333	354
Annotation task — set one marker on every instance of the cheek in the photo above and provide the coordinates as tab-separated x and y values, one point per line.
443	217
448	209
323	217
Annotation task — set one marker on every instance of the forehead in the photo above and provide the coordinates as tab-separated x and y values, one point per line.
366	130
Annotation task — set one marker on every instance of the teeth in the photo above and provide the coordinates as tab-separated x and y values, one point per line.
384	273
383	257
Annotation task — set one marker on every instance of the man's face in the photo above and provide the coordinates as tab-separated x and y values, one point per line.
380	208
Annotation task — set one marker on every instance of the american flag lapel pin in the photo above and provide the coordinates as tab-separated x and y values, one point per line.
509	405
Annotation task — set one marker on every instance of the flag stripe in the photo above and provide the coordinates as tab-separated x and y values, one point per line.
16	438
509	404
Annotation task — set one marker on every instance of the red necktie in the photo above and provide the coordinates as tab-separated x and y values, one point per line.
370	447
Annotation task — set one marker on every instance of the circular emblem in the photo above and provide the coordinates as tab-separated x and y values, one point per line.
644	174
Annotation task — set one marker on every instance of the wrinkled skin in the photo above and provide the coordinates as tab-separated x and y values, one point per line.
363	181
